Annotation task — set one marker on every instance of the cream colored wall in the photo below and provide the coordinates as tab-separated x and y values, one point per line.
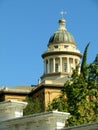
51	94
61	46
39	94
47	95
15	97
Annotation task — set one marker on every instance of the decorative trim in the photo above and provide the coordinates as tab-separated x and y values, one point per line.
60	53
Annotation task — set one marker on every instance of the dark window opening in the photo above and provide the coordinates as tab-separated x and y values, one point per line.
65	67
65	46
56	46
56	67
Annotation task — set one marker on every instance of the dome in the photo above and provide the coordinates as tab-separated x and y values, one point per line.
61	35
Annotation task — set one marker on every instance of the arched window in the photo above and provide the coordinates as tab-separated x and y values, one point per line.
56	46
56	67
65	67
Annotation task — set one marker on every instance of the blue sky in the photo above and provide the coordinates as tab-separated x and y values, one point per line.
25	29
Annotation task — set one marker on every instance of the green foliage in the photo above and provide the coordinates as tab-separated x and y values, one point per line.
34	106
84	60
82	101
81	94
58	104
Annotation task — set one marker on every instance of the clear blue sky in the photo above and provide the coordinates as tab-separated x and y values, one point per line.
26	26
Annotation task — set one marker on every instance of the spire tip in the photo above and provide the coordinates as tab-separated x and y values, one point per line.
63	13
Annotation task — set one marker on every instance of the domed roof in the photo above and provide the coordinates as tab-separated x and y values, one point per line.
61	35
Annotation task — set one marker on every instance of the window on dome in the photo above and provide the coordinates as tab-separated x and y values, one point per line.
65	46
56	46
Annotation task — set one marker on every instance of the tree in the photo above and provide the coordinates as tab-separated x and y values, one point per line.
81	94
82	109
58	104
93	69
34	106
77	101
93	84
84	60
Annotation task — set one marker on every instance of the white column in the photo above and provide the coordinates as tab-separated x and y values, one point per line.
44	66
60	64
68	65
53	64
48	66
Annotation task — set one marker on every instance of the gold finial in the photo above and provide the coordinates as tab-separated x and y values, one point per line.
63	13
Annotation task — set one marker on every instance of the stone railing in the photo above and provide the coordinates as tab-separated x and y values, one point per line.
42	121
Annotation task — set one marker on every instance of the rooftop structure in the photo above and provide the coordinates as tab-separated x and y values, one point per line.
61	57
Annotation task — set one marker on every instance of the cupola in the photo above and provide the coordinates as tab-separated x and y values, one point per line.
61	57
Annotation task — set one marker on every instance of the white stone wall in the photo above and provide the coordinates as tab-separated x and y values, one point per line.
42	121
11	109
89	126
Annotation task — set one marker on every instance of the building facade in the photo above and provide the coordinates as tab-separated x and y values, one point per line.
17	93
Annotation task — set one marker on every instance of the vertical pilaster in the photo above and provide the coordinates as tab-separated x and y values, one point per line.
68	68
45	66
48	66
53	64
